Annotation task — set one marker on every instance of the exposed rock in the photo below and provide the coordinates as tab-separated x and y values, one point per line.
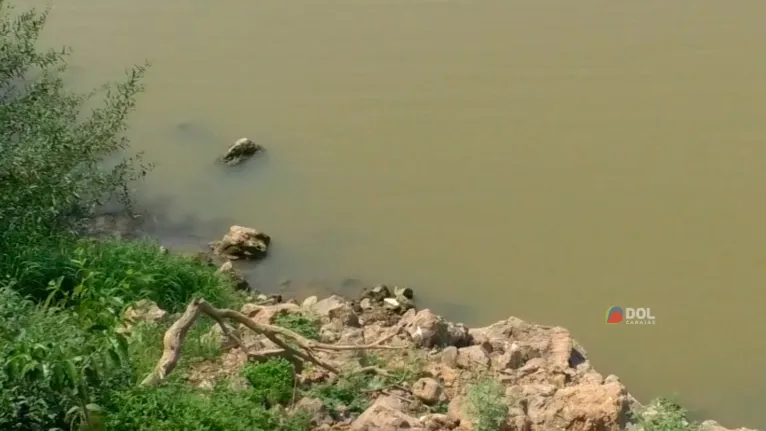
265	314
405	292
449	356
239	282
429	330
330	332
217	336
427	390
315	408
715	426
242	150
457	410
145	311
334	308
525	341
392	303
438	422
309	302
545	378
579	408
473	356
386	414
377	293
242	243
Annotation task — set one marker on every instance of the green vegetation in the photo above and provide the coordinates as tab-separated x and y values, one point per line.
174	407
63	363
665	415
298	323
487	403
273	381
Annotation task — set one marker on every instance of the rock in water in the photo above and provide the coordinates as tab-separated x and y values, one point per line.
242	243
242	150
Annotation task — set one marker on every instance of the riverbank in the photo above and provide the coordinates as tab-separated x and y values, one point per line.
404	367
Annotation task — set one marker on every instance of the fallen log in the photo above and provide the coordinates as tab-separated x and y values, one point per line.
303	350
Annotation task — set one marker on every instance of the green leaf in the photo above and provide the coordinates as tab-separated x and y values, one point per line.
71	372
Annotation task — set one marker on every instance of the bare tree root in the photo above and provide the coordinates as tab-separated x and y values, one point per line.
304	350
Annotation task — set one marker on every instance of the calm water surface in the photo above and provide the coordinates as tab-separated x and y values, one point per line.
545	159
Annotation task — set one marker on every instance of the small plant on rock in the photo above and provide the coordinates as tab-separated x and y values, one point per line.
665	415
487	403
298	323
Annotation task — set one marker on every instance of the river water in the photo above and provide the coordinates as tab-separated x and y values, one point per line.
546	159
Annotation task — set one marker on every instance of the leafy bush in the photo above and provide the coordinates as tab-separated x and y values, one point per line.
53	152
273	381
54	364
298	323
665	415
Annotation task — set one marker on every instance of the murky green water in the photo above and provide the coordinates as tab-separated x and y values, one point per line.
545	159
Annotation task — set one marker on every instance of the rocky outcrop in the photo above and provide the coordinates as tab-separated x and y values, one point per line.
242	150
242	243
509	376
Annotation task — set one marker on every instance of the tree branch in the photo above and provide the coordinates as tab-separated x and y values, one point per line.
305	350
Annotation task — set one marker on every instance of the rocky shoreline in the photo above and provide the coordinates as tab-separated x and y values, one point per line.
510	375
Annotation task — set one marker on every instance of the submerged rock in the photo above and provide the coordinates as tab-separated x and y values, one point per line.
242	243
242	150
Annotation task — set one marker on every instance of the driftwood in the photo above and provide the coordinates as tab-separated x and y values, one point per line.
304	350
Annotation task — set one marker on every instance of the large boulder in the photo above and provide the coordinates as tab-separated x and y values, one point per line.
583	407
429	330
242	150
242	243
515	342
335	308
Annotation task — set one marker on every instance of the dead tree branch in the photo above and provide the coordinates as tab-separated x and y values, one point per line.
303	350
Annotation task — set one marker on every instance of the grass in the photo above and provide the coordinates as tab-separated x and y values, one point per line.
130	270
299	323
178	407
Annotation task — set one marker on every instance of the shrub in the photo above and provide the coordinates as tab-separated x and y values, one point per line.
486	402
53	153
273	381
52	363
665	415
